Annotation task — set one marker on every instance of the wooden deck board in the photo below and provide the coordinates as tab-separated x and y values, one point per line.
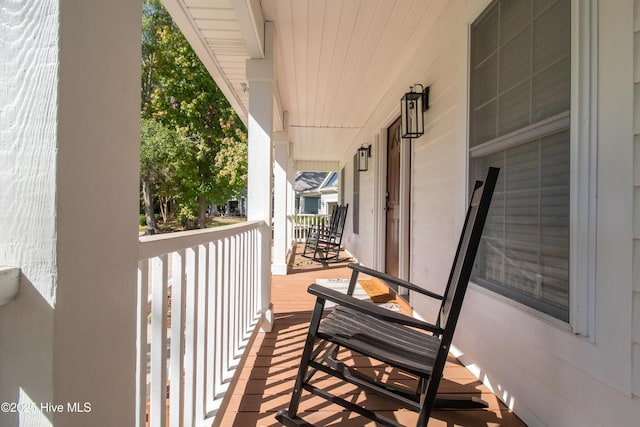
266	380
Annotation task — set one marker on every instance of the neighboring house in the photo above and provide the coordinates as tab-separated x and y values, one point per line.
316	192
237	206
329	193
547	89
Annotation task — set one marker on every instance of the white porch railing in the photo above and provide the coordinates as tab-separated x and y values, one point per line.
302	223
199	302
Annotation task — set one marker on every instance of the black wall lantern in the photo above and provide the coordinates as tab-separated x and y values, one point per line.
412	107
364	153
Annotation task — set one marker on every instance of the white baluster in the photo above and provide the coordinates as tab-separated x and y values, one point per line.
211	326
191	299
201	334
178	285
158	390
141	359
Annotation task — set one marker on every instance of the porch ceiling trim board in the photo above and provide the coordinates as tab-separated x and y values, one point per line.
251	23
224	34
229	45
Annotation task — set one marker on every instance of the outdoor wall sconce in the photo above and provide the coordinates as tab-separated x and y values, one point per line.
412	107
364	153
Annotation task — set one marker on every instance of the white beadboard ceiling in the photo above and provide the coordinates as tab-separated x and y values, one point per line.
336	60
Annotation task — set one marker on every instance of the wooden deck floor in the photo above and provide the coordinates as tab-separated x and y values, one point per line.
266	380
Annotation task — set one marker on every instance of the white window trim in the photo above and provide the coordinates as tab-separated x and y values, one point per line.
583	135
541	129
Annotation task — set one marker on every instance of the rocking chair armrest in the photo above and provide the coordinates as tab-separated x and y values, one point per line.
370	308
394	280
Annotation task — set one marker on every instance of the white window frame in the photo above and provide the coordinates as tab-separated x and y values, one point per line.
584	110
583	166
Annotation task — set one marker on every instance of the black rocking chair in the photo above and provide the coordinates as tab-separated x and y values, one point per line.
324	243
409	345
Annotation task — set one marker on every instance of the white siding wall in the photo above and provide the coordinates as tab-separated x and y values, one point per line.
636	210
69	143
28	54
548	375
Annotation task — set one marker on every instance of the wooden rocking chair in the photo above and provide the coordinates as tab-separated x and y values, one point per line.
324	243
399	341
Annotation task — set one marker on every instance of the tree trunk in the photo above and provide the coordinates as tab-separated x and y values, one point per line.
164	208
147	195
202	217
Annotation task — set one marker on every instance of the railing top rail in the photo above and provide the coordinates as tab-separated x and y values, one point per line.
160	244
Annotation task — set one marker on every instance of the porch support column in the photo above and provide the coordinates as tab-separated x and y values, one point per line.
260	159
279	266
291	198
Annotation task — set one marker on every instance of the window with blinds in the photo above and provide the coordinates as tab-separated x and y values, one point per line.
519	121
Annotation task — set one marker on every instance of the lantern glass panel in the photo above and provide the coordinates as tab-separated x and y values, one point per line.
412	120
363	160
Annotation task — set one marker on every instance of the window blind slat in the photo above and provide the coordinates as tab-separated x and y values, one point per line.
514	69
514	16
551	35
514	109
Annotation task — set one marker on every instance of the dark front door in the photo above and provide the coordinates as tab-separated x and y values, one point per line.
392	259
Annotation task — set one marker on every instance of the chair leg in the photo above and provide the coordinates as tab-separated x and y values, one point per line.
302	372
306	357
307	246
315	254
423	418
310	242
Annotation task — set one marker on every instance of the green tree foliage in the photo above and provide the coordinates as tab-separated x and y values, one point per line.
209	154
161	151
